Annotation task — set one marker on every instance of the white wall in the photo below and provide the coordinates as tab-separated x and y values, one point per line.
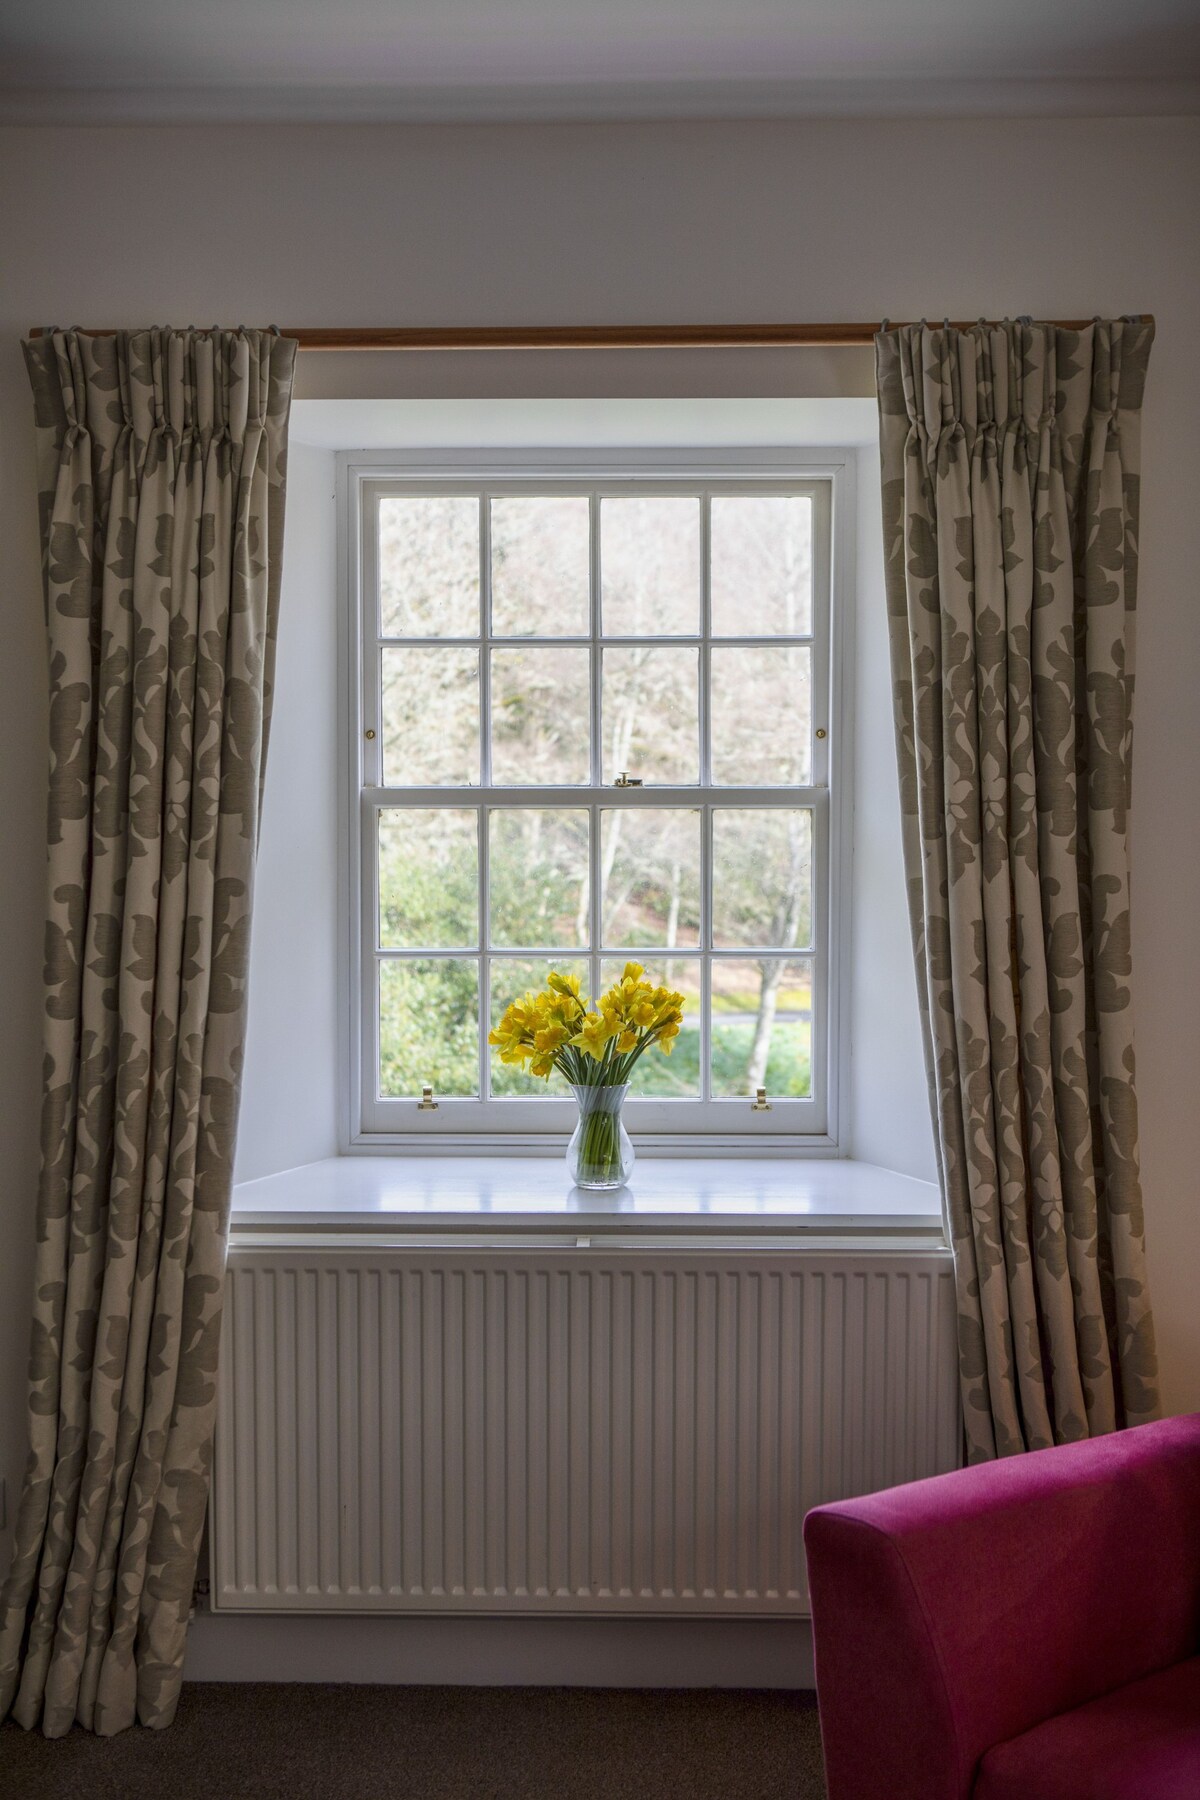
890	1121
289	1111
508	224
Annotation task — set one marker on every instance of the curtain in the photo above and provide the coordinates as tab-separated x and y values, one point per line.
1010	509
162	465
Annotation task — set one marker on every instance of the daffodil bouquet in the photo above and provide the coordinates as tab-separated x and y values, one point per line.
595	1050
557	1030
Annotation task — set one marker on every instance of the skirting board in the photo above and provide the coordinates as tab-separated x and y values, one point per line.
503	1652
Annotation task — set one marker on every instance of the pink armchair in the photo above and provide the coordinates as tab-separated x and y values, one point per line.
1024	1630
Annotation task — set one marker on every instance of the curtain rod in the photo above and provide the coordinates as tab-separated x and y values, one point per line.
598	337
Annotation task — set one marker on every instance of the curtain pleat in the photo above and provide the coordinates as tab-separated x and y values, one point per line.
162	470
1010	506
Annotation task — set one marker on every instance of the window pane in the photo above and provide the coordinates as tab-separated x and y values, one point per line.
510	979
762	878
538	876
540	717
428	1026
541	566
761	565
655	1074
428	878
429	566
760	708
652	714
649	876
430	718
650	566
761	1027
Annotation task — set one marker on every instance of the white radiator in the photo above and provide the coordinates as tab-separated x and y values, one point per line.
563	1431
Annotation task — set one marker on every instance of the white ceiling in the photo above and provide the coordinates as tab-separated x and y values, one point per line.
366	59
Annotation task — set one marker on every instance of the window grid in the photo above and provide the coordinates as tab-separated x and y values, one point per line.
704	710
597	797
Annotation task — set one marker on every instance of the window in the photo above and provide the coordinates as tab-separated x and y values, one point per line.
593	722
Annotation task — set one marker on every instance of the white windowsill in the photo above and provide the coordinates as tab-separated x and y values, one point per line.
677	1196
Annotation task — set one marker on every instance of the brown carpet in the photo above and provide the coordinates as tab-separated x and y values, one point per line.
271	1742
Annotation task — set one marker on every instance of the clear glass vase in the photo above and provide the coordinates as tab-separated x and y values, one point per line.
600	1154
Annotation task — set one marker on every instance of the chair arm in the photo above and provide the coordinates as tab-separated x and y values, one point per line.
954	1613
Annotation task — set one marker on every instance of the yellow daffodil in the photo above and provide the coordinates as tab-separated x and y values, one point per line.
559	1029
567	989
594	1034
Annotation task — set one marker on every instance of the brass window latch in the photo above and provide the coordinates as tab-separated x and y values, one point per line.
624	780
427	1103
760	1103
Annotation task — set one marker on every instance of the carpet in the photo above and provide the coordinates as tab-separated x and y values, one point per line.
260	1741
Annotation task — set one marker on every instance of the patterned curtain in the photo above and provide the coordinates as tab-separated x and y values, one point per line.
162	471
1010	508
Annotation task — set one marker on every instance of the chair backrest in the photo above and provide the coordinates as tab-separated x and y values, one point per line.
955	1613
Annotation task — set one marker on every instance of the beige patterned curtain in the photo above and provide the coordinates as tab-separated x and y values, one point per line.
162	470
1010	508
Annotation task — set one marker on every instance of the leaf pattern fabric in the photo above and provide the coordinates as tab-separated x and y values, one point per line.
1010	505
162	468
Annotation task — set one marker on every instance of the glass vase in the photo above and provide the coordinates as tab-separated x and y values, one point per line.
600	1154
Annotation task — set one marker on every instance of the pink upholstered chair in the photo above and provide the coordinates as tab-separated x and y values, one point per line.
1025	1630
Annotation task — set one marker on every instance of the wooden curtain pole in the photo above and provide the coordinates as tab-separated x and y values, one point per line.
594	337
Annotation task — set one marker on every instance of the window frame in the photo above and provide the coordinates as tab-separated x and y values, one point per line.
791	1127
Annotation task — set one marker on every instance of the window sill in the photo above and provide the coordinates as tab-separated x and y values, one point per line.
679	1197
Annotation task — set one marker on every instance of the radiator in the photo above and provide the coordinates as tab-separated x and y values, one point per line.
563	1431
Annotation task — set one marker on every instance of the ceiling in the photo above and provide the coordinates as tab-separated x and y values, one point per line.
511	59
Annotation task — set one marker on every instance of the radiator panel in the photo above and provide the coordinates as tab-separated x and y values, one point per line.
492	1430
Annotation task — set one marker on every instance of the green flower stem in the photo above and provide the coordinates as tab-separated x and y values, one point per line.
612	1070
600	1147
